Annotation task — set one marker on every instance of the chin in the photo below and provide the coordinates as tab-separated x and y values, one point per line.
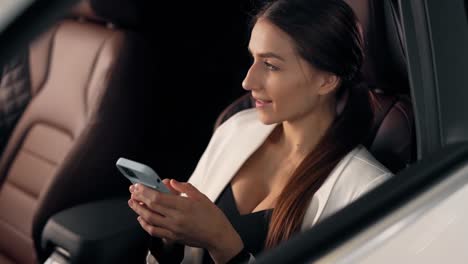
266	118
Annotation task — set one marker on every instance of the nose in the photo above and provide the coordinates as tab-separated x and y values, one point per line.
251	81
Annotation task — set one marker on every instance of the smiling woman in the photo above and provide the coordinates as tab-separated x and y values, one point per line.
272	71
285	165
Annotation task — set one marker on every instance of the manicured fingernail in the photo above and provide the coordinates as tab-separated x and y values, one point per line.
132	188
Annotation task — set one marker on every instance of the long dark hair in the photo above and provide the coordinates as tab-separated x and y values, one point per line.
326	35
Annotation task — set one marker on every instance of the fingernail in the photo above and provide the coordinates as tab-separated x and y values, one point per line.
132	188
139	219
130	202
137	186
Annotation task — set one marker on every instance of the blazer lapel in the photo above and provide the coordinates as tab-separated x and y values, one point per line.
248	138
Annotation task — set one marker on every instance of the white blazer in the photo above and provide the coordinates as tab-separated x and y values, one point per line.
241	135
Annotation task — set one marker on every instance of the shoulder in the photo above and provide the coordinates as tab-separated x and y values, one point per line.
241	119
244	125
357	173
362	166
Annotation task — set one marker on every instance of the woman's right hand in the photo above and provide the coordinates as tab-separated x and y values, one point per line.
165	181
164	250
168	185
169	242
171	189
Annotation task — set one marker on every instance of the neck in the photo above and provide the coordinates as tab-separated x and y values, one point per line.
300	136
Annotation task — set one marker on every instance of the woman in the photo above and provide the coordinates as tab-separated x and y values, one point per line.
271	172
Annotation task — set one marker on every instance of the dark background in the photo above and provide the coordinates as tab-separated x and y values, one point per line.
199	55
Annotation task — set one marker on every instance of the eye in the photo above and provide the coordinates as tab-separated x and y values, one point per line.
270	66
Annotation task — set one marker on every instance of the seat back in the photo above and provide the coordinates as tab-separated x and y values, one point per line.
84	113
392	136
14	95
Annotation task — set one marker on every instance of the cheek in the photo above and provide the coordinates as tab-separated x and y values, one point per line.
282	97
281	87
293	94
299	102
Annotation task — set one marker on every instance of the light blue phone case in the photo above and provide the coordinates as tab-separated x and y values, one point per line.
140	173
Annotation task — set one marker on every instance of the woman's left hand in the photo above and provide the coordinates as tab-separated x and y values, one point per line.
192	220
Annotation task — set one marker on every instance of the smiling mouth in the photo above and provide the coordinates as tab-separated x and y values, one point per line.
261	103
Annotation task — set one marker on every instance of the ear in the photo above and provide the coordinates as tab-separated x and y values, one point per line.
329	84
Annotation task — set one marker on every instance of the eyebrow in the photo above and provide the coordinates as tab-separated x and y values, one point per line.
268	55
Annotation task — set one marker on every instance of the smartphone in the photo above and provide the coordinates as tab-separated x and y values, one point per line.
140	173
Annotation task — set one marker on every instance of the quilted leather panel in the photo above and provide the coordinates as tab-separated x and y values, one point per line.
15	95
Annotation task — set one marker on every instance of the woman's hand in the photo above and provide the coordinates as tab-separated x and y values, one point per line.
192	220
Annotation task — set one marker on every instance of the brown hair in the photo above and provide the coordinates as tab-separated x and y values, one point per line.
326	35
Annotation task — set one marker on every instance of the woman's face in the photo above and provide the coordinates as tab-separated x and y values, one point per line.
284	85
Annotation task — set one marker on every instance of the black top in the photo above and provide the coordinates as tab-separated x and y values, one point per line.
252	228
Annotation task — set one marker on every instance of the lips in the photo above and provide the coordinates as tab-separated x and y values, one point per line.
261	102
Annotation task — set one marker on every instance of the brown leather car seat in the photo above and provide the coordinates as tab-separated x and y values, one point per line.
392	137
14	94
87	81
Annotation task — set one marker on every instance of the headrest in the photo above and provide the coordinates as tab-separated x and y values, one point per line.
395	35
123	13
385	63
386	47
361	9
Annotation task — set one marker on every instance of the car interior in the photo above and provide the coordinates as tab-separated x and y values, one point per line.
93	94
84	87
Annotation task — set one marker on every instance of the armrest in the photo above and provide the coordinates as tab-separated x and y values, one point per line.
99	232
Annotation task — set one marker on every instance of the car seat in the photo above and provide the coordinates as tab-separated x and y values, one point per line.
14	95
87	81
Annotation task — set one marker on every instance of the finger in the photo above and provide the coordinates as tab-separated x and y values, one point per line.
149	216
132	189
187	188
156	231
144	194
139	202
143	205
152	197
168	185
164	211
